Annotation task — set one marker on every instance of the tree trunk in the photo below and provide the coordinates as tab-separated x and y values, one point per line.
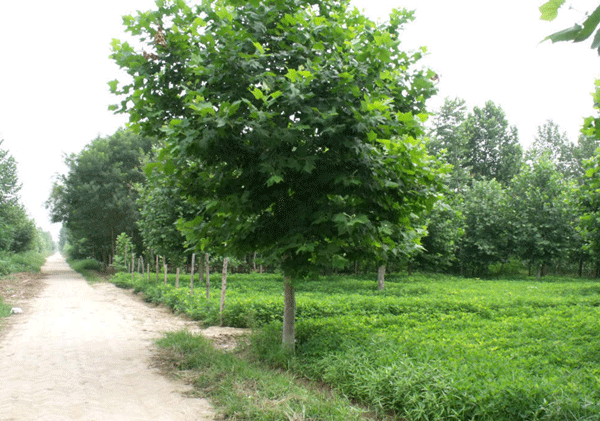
132	265
207	267
157	268
580	271
223	289
289	316
177	278
165	268
381	278
254	262
192	274
148	271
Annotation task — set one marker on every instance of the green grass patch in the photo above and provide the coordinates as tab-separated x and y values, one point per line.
91	269
22	262
428	347
4	309
242	390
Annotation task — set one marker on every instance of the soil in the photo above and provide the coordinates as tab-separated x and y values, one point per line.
85	352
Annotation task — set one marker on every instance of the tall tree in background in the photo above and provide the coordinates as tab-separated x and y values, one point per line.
544	223
493	149
553	145
489	235
304	117
448	140
96	199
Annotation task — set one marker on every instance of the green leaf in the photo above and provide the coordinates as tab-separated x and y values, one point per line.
113	85
259	47
596	41
274	179
549	10
589	26
565	35
258	94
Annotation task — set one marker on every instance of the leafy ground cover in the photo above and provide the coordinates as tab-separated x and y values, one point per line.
91	269
21	262
428	347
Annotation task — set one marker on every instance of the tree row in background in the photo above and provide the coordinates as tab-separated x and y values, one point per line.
508	205
18	232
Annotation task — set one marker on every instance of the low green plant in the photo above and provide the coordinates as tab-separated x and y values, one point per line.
90	269
243	390
4	309
29	261
427	347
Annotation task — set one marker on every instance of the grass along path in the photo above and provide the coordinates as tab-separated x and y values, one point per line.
429	347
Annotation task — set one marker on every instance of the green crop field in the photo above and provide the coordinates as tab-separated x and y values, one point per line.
429	347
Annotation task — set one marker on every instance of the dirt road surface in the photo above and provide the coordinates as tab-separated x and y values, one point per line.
81	352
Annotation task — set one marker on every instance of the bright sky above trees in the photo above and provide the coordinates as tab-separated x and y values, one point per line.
54	93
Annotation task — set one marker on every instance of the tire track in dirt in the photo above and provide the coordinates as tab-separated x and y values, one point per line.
84	352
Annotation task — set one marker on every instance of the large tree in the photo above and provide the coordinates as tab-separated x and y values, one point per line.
300	118
96	199
493	150
552	144
448	140
543	218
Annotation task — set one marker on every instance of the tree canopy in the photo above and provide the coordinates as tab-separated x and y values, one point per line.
294	124
96	199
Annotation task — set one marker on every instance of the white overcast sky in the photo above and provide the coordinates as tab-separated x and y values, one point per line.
54	69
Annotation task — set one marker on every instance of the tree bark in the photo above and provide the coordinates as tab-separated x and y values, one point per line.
381	278
289	316
177	278
157	268
207	266
148	271
165	268
223	289
192	274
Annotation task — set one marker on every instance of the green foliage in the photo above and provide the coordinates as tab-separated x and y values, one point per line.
243	390
30	261
488	227
162	204
552	145
4	309
96	200
428	347
492	150
123	247
576	33
90	269
293	128
543	216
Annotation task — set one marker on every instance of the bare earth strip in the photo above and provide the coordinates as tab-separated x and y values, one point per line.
82	352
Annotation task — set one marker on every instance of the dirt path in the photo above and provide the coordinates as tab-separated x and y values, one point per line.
82	352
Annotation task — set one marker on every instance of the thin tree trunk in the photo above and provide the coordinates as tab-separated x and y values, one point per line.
254	262
125	260
207	267
381	278
289	316
157	268
223	288
132	265
148	271
192	274
177	278
165	268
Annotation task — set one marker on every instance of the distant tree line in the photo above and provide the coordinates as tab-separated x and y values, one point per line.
18	232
